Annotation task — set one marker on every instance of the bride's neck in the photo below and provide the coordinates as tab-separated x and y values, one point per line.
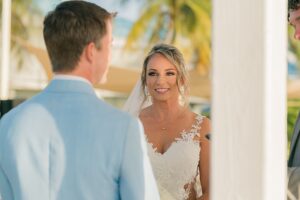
163	110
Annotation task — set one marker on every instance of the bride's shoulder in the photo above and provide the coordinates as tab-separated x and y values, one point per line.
204	124
201	122
201	118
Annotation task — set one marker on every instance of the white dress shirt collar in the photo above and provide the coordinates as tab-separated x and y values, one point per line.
70	77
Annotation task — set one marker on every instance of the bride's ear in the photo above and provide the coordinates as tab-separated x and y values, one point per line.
181	82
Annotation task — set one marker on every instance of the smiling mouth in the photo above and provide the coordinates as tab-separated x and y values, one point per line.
161	90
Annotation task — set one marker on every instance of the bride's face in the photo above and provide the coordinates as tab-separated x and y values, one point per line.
161	78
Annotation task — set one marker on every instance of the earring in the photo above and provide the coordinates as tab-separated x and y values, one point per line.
147	92
181	90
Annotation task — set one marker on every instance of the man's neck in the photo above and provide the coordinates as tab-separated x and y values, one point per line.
64	76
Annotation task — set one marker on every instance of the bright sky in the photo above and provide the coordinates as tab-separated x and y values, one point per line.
129	10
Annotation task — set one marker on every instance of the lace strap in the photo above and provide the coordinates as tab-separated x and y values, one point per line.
194	131
196	126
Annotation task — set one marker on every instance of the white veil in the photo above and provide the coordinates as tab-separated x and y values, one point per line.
135	102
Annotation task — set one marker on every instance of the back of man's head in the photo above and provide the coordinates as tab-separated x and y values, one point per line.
69	28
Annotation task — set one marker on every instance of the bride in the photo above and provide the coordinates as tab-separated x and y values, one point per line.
177	138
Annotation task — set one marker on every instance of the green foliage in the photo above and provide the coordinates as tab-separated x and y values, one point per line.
22	13
183	23
293	45
20	10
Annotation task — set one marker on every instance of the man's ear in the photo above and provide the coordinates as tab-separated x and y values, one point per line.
89	51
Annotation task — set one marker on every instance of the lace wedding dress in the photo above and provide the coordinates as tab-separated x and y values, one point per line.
176	170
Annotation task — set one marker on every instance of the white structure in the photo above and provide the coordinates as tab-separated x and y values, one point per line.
249	100
5	63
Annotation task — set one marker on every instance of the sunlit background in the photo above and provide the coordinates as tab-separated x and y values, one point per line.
138	25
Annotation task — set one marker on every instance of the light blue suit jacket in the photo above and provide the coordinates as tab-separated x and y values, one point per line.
66	144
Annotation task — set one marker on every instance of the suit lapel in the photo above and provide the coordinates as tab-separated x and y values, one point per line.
295	133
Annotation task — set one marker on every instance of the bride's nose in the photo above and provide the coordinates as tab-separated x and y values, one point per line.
160	79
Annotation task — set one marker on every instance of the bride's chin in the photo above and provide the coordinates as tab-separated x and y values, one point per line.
166	97
160	100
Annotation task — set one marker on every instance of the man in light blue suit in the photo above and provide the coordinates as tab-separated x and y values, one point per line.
65	143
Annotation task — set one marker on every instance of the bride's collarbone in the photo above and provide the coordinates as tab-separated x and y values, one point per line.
164	132
168	126
172	128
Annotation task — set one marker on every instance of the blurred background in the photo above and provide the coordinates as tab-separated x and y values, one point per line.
138	26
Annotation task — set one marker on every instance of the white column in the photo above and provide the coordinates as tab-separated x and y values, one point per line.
249	100
5	59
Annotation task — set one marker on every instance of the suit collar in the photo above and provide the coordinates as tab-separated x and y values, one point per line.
70	77
74	86
295	132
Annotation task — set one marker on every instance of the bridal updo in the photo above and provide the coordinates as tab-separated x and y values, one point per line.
173	55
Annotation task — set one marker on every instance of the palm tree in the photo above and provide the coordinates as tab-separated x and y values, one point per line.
183	23
22	13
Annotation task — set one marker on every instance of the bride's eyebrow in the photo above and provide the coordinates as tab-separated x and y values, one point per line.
171	69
